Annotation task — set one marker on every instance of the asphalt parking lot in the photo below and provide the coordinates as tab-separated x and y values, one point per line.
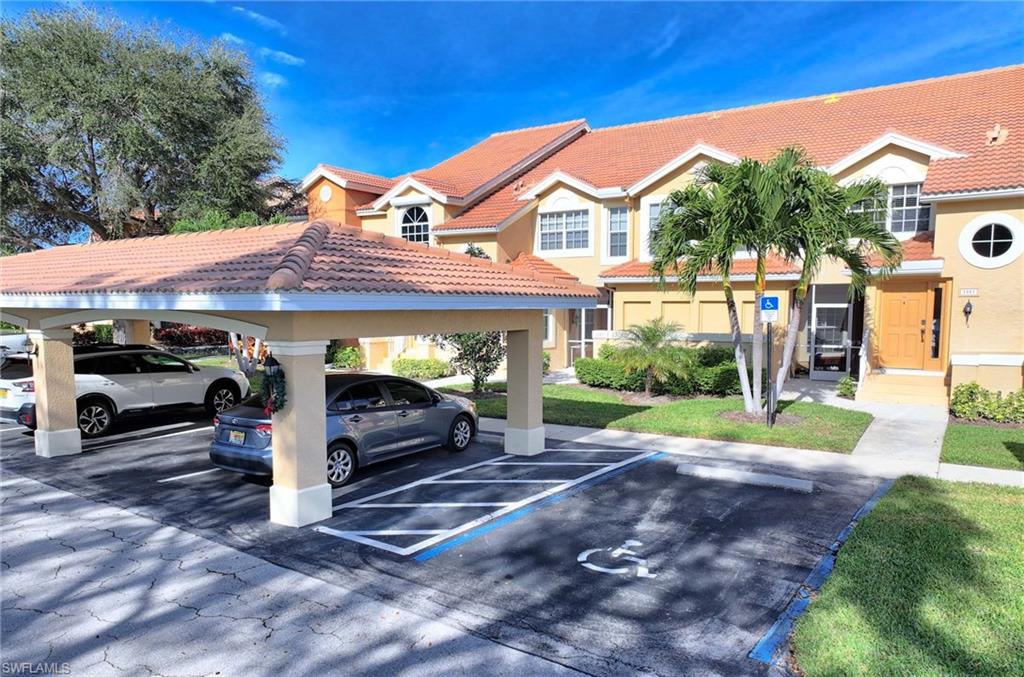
600	559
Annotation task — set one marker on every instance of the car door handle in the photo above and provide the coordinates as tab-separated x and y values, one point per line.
355	419
403	414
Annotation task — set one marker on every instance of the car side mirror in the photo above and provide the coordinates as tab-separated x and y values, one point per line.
436	397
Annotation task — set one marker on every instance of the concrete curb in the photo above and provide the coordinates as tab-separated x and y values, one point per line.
757	479
801	460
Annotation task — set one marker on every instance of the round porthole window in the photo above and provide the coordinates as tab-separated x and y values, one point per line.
992	240
325	193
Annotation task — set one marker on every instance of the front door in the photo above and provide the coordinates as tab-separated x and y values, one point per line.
904	327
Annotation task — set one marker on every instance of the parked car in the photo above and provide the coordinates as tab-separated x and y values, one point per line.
370	418
113	380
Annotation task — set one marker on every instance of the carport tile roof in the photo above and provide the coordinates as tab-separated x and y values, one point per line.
317	257
641	270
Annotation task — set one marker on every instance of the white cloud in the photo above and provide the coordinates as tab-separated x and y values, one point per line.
232	38
272	80
666	38
281	57
261	19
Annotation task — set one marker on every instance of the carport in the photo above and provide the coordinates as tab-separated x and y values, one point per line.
296	285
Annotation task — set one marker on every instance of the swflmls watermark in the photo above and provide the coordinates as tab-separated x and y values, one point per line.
26	668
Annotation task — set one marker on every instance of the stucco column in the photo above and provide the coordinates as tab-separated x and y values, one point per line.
138	331
300	494
524	434
53	371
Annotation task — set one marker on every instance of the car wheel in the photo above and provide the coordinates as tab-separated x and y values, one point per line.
461	433
341	464
94	418
222	396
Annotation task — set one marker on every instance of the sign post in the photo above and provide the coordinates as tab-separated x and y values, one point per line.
769	314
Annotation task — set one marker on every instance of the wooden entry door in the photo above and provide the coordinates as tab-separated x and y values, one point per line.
904	325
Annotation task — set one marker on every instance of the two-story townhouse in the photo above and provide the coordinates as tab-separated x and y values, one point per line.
568	200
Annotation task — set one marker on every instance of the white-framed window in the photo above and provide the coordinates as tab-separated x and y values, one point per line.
992	240
905	214
549	326
414	224
565	233
616	245
650	212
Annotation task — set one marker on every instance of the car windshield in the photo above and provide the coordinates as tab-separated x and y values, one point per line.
15	367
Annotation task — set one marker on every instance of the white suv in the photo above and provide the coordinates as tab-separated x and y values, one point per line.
112	380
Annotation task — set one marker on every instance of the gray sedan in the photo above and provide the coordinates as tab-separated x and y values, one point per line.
370	418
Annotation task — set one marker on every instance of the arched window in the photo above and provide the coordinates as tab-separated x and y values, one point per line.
416	225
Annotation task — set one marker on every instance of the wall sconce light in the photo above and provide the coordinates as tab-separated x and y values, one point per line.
968	309
270	365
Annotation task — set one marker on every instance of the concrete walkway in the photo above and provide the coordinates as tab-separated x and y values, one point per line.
901	432
93	589
795	460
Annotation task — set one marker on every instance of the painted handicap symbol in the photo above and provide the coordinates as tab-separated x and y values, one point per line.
622	553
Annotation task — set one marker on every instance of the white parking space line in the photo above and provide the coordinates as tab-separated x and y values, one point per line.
427	505
136	433
186	476
362	535
18	428
147	439
543	464
490	481
425	480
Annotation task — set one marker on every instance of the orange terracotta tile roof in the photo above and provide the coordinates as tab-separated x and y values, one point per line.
953	112
382	183
921	247
319	256
541	266
740	266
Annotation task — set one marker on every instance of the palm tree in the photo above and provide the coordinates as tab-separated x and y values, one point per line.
784	207
649	349
827	225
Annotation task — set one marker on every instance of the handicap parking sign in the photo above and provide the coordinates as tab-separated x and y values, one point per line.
769	309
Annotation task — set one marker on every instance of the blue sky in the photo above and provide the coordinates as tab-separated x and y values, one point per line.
390	88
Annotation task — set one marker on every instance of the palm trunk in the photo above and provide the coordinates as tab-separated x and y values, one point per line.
119	332
737	344
757	344
648	382
792	331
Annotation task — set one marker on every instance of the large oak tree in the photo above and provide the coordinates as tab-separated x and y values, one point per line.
114	130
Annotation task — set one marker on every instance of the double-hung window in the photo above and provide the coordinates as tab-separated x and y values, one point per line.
905	213
618	232
564	231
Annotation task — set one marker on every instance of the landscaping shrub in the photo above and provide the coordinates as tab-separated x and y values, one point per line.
98	333
347	357
972	402
421	369
607	351
185	335
712	356
601	373
546	362
846	387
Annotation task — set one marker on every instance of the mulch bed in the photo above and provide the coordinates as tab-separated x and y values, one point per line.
985	422
780	419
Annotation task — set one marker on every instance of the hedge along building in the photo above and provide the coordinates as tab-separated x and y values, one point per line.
578	202
297	285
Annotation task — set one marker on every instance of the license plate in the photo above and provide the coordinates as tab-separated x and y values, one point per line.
236	437
3	393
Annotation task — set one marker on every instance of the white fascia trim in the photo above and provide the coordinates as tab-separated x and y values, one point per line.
369	211
679	161
933	151
410	182
972	195
298	348
453	232
700	278
293	301
559	176
923	267
321	172
409	201
198	319
987	360
528	162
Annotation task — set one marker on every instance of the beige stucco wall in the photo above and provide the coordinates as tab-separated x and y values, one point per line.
341	206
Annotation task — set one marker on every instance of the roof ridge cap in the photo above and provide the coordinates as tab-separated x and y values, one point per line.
293	265
576	121
812	97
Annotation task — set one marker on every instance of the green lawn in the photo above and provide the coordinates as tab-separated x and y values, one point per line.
229	362
822	427
984	445
930	583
